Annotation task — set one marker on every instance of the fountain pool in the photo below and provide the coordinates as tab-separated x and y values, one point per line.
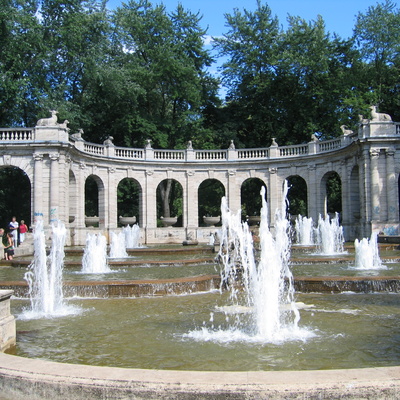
349	331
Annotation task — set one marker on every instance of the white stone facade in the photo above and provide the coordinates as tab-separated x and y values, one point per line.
58	164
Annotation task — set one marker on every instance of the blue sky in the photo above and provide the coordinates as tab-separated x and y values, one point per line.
339	15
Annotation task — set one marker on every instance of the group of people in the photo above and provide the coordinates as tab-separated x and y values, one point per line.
10	240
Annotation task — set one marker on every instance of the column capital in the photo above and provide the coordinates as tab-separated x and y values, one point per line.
54	156
374	152
38	156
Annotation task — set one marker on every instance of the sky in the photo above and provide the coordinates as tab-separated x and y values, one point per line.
339	15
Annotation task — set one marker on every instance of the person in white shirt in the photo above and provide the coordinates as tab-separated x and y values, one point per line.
13	228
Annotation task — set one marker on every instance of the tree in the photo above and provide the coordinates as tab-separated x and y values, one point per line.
286	85
20	54
377	34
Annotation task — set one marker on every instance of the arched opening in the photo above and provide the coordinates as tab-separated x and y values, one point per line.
169	203
15	196
331	187
128	199
251	201
94	201
210	193
297	196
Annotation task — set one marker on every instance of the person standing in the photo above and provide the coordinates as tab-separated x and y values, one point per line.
22	231
13	228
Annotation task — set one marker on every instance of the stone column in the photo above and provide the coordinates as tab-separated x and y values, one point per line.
54	187
7	322
80	186
346	216
151	201
191	202
234	201
375	198
274	194
391	186
112	200
38	199
313	193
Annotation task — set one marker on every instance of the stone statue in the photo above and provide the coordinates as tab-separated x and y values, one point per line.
109	141
345	131
379	116
52	121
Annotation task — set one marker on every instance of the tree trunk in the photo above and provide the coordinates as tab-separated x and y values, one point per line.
165	191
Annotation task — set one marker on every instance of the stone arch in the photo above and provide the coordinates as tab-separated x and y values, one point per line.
95	198
15	195
297	195
210	192
169	202
129	199
331	193
250	197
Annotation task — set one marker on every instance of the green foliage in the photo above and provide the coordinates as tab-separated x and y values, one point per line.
210	194
128	198
297	196
251	198
91	197
15	196
334	193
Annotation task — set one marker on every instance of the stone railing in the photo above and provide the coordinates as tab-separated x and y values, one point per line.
109	150
17	134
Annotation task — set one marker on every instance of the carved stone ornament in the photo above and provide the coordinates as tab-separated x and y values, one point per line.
38	157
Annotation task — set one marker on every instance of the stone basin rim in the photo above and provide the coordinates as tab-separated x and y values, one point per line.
19	376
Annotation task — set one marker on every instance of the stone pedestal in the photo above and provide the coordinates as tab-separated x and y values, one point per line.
7	322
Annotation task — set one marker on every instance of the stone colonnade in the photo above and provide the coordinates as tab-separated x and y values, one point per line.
58	165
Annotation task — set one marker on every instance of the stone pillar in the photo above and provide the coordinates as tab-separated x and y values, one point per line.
7	322
274	194
111	201
234	200
391	186
54	187
191	202
313	194
151	201
38	200
375	198
346	202
80	186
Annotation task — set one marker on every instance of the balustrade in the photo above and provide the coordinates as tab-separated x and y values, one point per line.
17	135
190	155
211	155
292	151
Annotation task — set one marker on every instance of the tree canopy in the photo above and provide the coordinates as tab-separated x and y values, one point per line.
140	72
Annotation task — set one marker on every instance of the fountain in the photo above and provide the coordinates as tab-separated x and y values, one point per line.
330	238
304	231
117	246
261	294
94	260
45	274
367	253
132	236
255	326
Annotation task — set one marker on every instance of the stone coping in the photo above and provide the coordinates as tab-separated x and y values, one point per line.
22	378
